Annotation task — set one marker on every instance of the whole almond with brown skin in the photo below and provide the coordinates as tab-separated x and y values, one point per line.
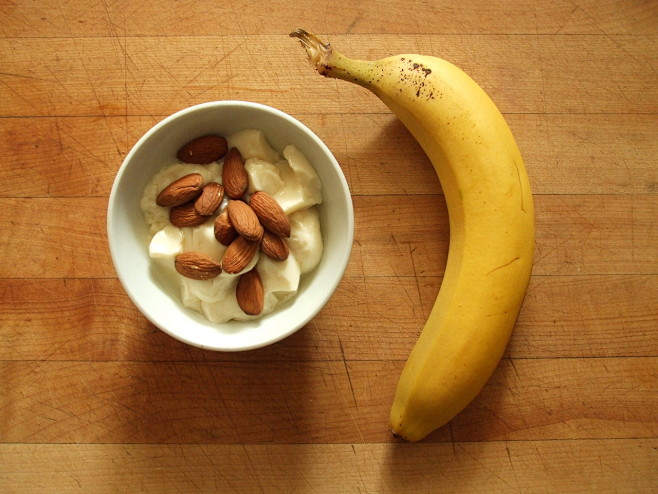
224	231
197	266
211	197
234	174
238	255
186	215
249	293
274	246
244	220
179	191
270	214
203	150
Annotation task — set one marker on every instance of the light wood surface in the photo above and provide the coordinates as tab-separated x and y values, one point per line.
93	398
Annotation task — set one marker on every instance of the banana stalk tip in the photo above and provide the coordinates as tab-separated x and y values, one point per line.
298	33
316	51
304	36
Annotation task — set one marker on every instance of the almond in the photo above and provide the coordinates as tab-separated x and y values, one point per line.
224	231
234	175
203	150
274	246
197	266
270	214
238	255
179	191
210	199
249	293
244	220
185	215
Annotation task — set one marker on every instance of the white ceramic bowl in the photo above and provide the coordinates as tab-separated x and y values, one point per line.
128	240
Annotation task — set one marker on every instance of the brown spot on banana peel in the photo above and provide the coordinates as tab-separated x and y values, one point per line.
321	54
408	79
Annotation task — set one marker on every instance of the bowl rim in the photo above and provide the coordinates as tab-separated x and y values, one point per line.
337	269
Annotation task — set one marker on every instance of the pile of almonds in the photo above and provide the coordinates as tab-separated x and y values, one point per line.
244	227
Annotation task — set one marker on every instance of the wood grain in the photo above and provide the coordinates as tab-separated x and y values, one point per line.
143	76
608	154
394	236
610	465
94	398
319	402
606	316
122	17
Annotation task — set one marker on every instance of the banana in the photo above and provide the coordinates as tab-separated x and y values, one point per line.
491	219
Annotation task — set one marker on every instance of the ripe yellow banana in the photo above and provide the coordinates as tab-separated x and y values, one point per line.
491	218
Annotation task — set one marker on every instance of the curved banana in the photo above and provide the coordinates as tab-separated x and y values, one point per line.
491	217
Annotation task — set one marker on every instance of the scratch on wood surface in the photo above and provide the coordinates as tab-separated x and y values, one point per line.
518	175
352	393
516	372
19	95
491	471
511	464
356	20
542	76
253	468
22	76
212	67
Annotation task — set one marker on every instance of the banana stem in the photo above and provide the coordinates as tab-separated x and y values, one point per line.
329	63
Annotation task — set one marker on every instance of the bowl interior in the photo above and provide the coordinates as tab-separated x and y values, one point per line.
158	300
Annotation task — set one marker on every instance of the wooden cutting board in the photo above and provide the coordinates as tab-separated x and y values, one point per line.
94	398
